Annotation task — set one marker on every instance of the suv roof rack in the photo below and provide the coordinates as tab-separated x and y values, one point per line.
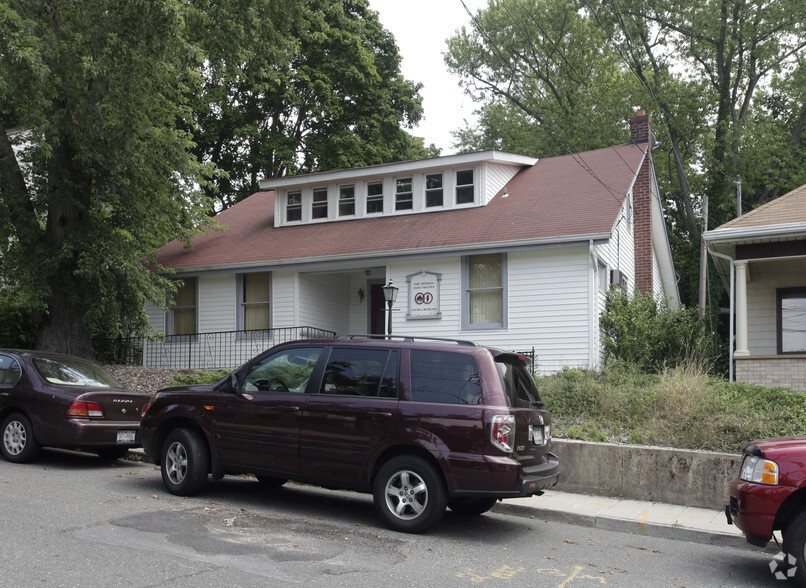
409	338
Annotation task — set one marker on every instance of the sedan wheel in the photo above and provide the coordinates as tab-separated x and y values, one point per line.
19	444
409	494
185	462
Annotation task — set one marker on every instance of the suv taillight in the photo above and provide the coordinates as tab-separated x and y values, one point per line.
502	433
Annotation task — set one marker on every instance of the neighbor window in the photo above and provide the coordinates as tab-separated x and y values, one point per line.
403	197
293	209
464	187
254	301
791	320
183	309
347	200
433	190
374	197
484	278
319	208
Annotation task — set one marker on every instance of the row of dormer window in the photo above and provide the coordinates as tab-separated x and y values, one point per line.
409	194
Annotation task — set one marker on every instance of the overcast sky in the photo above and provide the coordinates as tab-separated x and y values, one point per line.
421	28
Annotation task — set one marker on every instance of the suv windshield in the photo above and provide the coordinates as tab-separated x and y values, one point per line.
518	382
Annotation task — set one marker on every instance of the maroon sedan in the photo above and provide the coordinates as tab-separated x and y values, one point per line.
54	400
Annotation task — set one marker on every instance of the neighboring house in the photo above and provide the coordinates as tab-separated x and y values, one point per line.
761	257
494	247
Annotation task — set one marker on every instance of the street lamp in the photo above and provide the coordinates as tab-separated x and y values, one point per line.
390	294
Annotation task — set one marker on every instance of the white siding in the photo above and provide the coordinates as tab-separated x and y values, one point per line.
156	317
324	301
217	303
495	177
764	278
284	299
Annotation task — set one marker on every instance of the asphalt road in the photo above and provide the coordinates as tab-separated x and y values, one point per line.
73	520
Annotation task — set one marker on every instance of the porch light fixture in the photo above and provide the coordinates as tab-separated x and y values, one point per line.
390	294
361	295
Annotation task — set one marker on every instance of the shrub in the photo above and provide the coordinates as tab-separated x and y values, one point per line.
200	377
650	336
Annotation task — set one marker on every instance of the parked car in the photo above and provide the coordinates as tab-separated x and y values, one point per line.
770	495
421	424
54	400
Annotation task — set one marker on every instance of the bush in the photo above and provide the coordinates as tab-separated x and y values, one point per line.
17	327
200	377
649	336
681	407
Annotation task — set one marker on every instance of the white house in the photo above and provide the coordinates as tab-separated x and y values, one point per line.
502	249
761	257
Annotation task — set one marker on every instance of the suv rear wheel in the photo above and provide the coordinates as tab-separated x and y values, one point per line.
409	494
185	462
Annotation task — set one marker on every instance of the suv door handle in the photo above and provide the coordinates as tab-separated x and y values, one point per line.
288	409
379	416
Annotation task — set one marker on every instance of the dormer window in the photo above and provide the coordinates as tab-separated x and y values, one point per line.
319	207
433	190
347	200
403	194
374	197
293	210
464	187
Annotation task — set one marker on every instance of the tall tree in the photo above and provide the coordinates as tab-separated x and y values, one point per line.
97	174
723	79
316	86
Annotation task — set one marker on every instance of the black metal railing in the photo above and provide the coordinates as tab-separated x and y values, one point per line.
218	350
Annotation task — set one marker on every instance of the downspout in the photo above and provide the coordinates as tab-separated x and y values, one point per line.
731	334
593	348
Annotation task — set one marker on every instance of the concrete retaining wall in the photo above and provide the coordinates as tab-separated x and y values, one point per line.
657	474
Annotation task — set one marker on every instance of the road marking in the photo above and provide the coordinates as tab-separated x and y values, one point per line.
508	573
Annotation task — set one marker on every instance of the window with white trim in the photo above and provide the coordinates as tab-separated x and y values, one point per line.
403	194
374	197
484	285
433	190
347	200
465	193
293	208
319	206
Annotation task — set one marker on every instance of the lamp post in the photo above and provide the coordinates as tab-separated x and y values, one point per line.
390	295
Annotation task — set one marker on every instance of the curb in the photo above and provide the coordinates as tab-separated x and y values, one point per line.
677	533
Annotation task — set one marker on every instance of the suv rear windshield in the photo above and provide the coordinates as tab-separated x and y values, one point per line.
518	382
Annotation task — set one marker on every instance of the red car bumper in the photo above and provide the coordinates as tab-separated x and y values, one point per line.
752	508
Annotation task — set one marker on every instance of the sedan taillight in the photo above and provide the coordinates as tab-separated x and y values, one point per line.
85	409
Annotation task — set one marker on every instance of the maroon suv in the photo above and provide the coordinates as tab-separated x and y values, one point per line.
770	495
420	424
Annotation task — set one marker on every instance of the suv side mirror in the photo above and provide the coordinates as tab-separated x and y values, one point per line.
233	382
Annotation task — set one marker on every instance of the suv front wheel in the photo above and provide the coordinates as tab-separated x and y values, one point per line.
185	462
409	494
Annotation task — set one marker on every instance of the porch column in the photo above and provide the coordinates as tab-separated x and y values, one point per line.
742	349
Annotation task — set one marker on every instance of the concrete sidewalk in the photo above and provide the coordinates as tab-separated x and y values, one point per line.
654	519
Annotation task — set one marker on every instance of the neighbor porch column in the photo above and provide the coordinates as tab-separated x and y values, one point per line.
742	349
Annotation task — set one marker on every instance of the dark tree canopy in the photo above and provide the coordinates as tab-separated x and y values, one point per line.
121	123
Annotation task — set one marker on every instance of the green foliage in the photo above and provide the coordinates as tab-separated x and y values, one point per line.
199	377
17	327
298	87
680	407
649	336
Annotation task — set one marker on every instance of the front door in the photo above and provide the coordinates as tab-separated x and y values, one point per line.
377	309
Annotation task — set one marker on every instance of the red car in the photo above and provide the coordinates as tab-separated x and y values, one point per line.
770	495
54	400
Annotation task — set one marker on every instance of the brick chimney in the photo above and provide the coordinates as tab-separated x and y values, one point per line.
641	135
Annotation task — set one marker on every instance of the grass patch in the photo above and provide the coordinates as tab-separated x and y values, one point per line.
680	407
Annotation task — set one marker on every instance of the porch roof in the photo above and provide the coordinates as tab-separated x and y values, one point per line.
572	198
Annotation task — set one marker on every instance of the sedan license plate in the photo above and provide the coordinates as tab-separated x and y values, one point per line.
126	436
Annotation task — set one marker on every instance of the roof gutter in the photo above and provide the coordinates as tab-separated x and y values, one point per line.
766	231
500	247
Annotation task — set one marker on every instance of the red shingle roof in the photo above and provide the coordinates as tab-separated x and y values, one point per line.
557	198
